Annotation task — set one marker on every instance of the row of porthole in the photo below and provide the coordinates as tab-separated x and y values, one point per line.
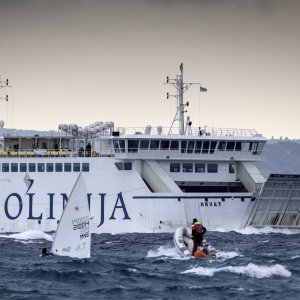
45	167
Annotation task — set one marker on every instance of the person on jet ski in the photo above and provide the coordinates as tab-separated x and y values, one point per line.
198	231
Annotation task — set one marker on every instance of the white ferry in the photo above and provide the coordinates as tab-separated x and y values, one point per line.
138	180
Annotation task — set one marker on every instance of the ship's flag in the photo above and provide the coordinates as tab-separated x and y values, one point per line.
203	89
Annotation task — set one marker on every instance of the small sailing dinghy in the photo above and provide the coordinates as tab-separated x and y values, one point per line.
184	244
73	236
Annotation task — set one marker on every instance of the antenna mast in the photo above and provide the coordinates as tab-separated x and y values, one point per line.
181	88
4	84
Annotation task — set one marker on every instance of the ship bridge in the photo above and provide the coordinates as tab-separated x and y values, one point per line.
209	144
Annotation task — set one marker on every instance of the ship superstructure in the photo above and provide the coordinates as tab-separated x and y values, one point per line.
138	179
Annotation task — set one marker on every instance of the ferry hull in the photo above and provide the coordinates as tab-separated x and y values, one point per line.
119	202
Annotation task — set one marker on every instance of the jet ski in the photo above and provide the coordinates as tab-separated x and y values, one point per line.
184	244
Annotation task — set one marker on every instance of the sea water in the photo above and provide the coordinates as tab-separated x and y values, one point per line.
251	264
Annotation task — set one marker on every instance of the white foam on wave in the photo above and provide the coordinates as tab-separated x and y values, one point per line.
295	257
251	270
263	230
29	235
165	251
227	255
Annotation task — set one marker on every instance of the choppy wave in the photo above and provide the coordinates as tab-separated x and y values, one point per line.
148	264
263	230
164	251
29	235
171	252
227	255
295	257
251	270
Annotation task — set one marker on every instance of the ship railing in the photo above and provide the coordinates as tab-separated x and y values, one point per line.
191	131
54	153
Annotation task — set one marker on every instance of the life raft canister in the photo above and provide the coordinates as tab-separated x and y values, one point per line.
200	254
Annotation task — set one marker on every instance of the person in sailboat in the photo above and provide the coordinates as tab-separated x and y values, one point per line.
198	231
45	252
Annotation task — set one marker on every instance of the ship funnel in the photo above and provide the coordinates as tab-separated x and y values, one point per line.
148	129
159	130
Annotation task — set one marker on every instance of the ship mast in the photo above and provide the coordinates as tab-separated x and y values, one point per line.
181	87
4	84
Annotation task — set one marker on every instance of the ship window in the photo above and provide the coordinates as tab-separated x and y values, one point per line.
76	167
175	167
205	147
41	167
31	167
183	146
164	145
238	146
174	145
230	146
260	147
213	145
124	166
200	168
221	146
127	166
122	146
119	165
116	146
198	146
58	167
14	167
49	167
191	145
23	167
212	168
85	167
251	146
5	167
246	146
187	168
254	148
231	168
154	144
133	146
144	144
67	167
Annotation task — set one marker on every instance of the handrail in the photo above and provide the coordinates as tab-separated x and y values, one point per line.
208	131
52	153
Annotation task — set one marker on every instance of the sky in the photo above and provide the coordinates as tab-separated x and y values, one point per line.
82	61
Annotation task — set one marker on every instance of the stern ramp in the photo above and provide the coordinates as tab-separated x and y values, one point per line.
278	203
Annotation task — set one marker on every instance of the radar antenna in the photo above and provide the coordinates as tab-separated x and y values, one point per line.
181	87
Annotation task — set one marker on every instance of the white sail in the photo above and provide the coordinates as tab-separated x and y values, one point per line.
73	237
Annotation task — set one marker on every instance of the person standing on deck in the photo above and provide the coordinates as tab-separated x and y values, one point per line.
198	231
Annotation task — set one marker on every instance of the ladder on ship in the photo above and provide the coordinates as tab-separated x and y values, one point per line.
278	204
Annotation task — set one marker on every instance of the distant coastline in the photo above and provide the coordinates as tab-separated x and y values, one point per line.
280	156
